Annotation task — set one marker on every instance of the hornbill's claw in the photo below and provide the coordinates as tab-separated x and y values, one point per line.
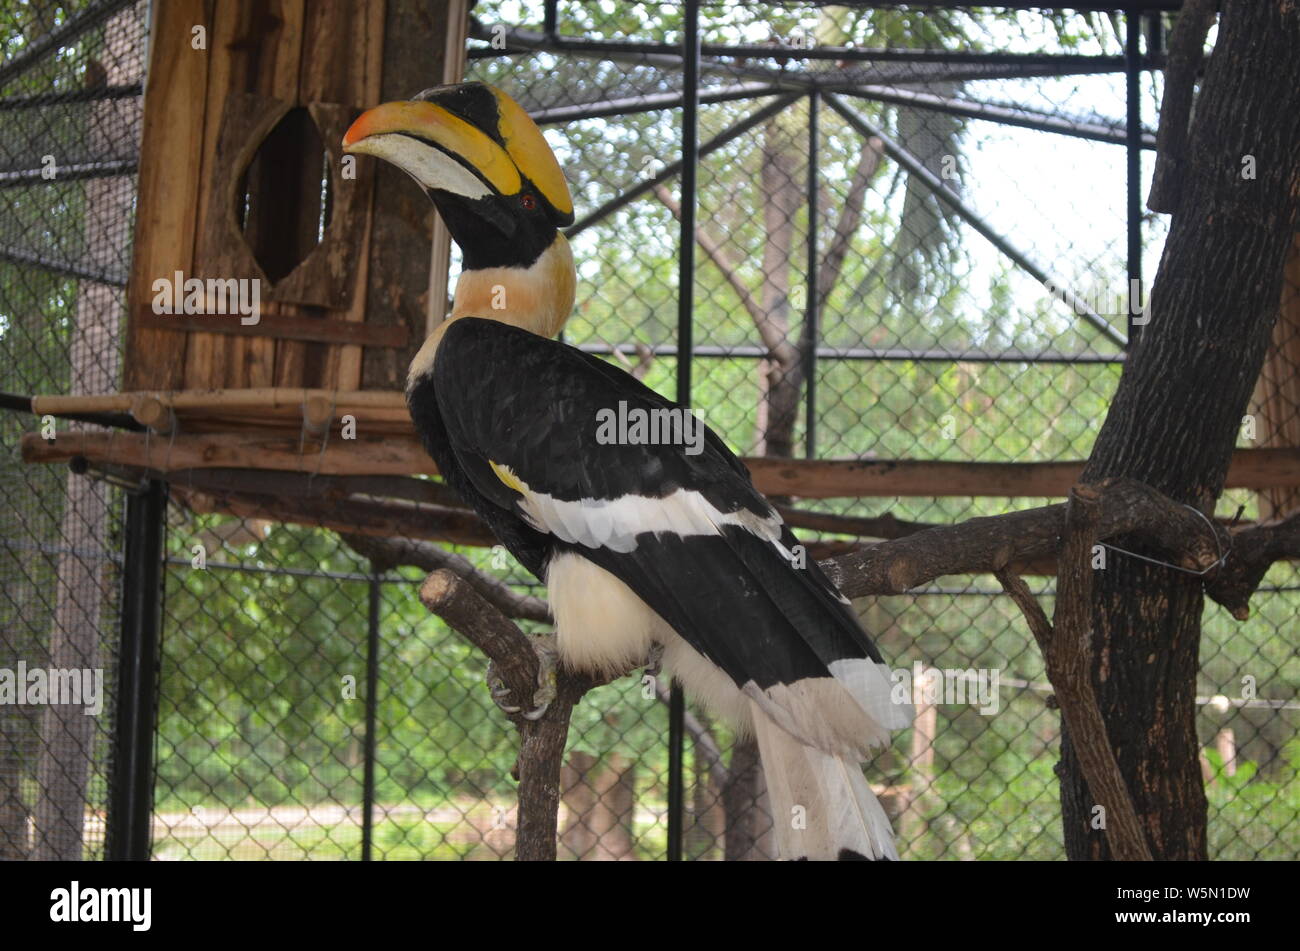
654	660
546	690
544	647
498	689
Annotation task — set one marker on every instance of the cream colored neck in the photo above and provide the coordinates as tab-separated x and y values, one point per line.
537	299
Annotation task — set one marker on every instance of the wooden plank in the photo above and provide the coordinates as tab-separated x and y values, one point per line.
262	399
342	40
278	79
257	361
205	353
328	275
171	155
810	479
398	283
257	357
907	478
254	48
455	59
281	326
345	365
826	478
370	422
366	455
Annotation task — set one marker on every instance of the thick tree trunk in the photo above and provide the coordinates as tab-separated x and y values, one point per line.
1177	412
783	195
67	732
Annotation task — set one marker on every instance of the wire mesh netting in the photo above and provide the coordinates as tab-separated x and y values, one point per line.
70	117
922	255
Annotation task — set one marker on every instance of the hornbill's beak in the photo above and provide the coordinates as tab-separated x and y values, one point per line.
472	148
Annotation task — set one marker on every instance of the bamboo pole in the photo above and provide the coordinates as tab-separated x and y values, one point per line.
318	411
261	398
283	451
153	413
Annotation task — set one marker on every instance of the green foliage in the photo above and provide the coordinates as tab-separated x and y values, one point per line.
1251	816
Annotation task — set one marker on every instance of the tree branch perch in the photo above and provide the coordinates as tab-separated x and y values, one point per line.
541	741
997	544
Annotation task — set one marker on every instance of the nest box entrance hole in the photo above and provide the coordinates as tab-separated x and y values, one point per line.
285	196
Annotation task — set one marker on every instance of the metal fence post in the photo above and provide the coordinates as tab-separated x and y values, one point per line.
1133	147
372	714
685	337
811	330
130	802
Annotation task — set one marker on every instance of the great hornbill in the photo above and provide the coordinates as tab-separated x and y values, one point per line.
643	546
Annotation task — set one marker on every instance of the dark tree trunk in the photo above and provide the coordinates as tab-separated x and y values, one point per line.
747	822
1178	410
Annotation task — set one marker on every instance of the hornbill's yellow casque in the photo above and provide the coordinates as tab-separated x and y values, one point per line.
639	544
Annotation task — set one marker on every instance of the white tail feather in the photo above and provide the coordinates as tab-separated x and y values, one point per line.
821	803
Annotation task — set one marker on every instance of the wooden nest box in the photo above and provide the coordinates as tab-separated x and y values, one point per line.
278	288
243	179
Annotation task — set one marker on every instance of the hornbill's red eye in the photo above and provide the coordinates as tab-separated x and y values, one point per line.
528	202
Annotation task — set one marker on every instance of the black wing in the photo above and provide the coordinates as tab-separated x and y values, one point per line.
688	533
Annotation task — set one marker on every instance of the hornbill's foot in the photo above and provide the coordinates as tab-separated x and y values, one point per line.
544	647
499	691
547	659
654	660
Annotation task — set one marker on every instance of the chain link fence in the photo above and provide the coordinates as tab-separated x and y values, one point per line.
70	115
875	235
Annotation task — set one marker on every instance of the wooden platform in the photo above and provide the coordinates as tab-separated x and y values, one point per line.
349	460
302	430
